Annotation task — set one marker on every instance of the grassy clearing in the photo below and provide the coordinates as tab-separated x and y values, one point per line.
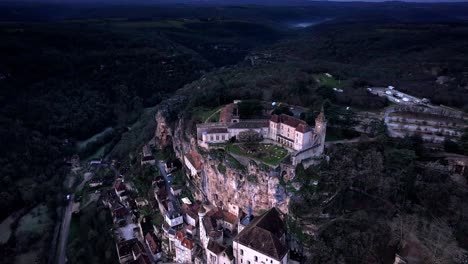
206	114
5	228
267	153
329	82
74	229
84	143
335	134
36	221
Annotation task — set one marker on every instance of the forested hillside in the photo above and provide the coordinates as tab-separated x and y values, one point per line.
63	82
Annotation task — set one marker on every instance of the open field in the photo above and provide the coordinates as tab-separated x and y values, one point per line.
5	226
207	114
268	153
328	81
36	220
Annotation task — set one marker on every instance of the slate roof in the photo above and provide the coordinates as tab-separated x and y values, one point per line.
125	247
138	248
215	247
264	234
217	130
250	124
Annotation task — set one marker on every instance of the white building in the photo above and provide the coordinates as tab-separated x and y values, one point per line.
293	133
192	163
262	241
148	157
184	248
219	254
173	218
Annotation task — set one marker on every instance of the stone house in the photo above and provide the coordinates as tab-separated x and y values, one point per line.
262	241
219	254
185	248
154	245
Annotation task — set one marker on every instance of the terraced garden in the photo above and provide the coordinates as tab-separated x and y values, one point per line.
267	153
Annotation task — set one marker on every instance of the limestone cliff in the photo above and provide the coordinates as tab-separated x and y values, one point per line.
224	180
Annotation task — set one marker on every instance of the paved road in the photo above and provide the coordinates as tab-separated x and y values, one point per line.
162	169
62	247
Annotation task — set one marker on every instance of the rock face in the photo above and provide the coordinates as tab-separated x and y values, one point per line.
257	189
163	133
219	181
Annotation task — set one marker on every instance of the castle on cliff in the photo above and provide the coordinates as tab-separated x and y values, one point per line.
303	141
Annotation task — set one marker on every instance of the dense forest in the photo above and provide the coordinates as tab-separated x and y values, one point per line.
387	202
62	83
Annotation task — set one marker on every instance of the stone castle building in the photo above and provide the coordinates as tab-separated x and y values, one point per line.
302	140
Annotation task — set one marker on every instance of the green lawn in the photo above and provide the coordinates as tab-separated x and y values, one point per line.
330	82
204	113
267	153
37	220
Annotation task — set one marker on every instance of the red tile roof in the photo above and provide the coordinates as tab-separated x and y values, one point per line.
151	240
186	242
298	124
119	186
179	235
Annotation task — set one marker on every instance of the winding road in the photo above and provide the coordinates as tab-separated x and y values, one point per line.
64	228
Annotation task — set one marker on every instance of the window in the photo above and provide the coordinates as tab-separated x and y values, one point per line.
211	138
217	137
242	252
256	258
248	261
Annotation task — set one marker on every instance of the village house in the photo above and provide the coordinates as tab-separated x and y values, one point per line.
262	241
154	245
176	190
191	218
171	165
173	218
185	248
219	254
119	187
124	250
193	163
95	183
148	157
140	202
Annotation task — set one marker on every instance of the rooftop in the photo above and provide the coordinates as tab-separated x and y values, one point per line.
298	124
151	240
250	124
217	130
215	247
264	235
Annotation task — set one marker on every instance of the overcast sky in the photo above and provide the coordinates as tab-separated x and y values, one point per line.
276	2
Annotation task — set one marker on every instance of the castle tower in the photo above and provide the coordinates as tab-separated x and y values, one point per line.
320	131
202	231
